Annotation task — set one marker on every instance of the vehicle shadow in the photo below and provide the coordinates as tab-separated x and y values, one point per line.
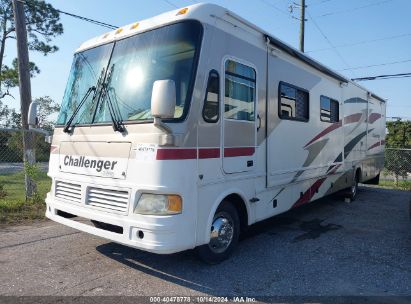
252	270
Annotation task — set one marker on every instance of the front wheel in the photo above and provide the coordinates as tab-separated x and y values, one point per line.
224	235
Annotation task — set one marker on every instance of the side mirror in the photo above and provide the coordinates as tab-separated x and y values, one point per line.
163	99
32	115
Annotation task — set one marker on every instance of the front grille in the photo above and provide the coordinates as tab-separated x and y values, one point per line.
110	200
68	191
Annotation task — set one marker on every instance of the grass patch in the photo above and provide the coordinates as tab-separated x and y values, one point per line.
13	205
390	184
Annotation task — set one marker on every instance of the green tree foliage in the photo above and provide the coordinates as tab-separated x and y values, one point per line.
42	21
399	134
46	108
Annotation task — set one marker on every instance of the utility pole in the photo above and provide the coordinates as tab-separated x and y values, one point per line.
302	19
25	93
302	25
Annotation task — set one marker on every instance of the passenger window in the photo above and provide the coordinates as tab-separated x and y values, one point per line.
294	103
212	98
330	109
240	86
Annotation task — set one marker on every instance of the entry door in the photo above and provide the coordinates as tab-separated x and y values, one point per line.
239	127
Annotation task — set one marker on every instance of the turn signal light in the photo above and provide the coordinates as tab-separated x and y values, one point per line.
175	203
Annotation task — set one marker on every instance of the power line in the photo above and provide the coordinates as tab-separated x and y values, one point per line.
389	76
170	3
321	2
276	8
353	9
96	22
362	42
375	65
328	40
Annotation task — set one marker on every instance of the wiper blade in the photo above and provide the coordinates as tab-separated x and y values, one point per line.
70	121
113	109
94	89
118	125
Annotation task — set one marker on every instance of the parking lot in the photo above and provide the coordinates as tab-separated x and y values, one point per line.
328	248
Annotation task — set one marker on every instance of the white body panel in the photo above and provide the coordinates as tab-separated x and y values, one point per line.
265	166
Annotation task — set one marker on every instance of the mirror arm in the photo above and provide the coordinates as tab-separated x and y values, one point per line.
40	131
162	126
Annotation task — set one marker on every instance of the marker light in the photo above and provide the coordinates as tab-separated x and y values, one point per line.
159	204
105	35
134	26
119	30
182	11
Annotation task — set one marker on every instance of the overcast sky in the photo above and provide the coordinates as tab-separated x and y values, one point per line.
354	37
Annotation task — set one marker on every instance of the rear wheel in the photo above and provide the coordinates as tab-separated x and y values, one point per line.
354	187
224	234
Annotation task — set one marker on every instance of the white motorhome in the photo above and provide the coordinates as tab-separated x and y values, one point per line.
179	131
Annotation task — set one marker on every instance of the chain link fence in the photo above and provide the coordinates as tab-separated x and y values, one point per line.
397	166
17	205
11	151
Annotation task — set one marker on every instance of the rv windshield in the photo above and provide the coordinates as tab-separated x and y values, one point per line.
135	63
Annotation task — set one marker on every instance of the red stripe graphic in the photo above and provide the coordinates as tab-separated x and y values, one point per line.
174	154
203	153
209	153
352	118
377	144
233	152
324	132
347	120
373	117
53	148
308	195
382	142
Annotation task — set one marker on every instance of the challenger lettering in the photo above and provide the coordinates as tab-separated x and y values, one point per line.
82	161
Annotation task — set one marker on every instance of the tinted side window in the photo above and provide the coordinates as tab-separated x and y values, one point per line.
240	86
212	98
294	102
330	109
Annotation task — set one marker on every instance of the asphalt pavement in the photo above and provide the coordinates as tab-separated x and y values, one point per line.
327	248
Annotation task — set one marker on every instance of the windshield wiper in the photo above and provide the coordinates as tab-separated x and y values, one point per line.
113	108
94	89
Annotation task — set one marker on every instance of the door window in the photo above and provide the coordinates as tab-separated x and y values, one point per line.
240	86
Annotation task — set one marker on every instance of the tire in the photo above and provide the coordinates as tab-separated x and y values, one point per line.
222	241
353	190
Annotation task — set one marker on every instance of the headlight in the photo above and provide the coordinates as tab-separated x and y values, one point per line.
159	204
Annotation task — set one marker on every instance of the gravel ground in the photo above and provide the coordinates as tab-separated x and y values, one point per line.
329	248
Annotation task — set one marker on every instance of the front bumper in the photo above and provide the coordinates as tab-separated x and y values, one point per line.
162	234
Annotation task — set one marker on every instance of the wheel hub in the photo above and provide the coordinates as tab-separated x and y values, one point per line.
222	232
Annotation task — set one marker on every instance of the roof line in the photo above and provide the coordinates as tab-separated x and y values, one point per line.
318	66
301	56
